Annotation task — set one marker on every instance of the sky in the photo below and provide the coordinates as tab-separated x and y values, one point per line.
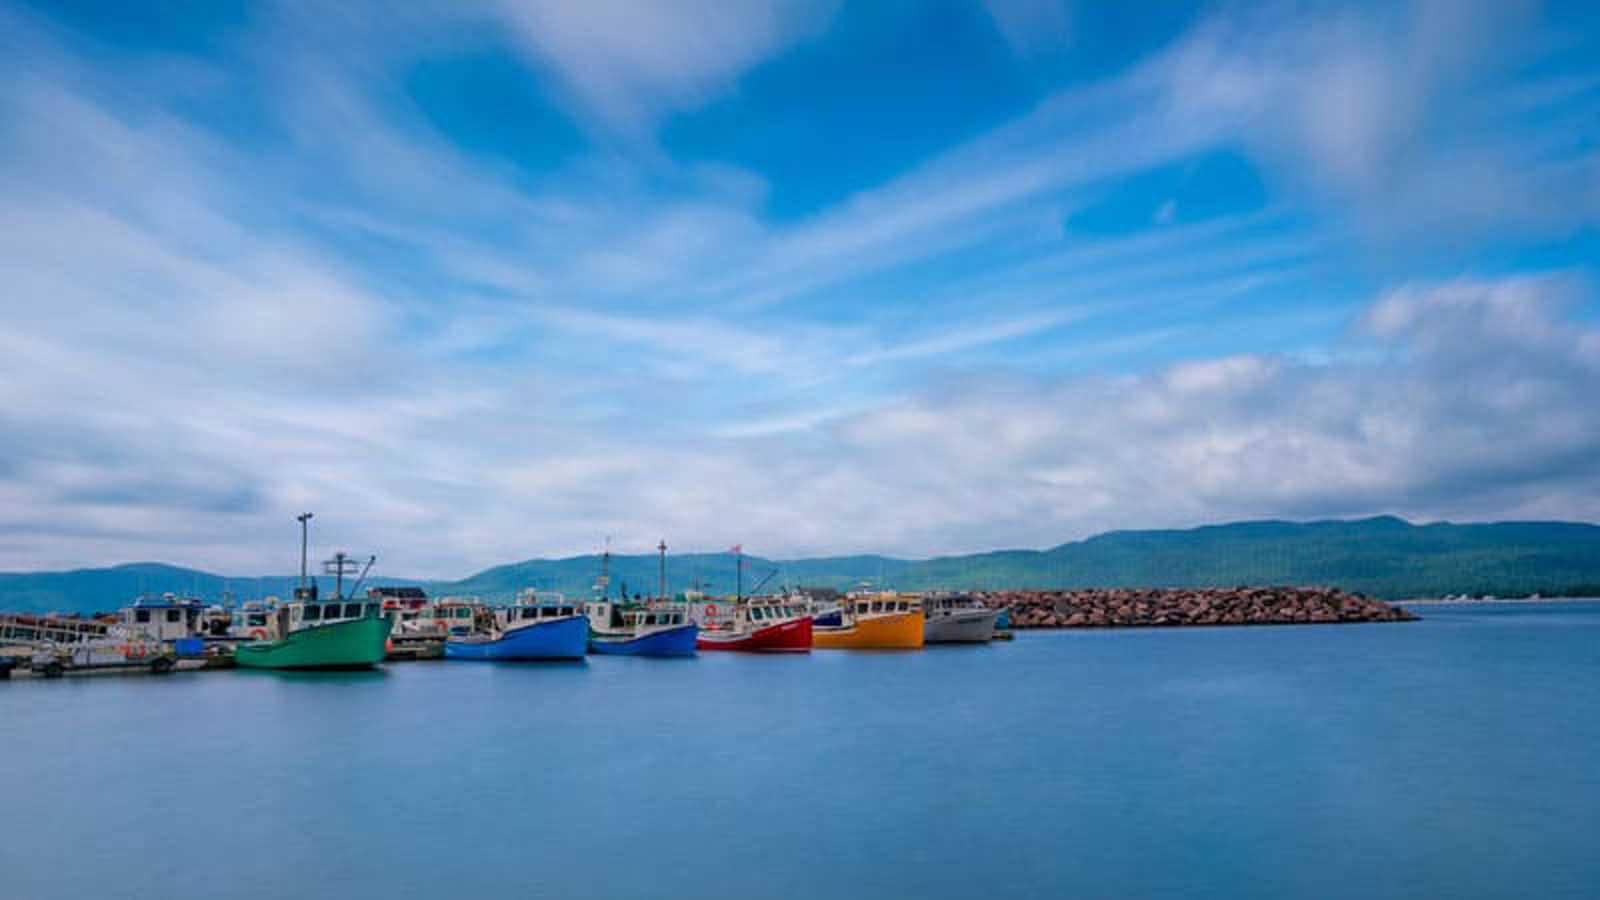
484	282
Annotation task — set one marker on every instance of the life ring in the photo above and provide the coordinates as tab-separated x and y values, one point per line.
711	610
135	651
258	634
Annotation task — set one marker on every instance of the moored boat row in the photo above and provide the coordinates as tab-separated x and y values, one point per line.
350	630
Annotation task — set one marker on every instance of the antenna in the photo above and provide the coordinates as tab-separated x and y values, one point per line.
340	566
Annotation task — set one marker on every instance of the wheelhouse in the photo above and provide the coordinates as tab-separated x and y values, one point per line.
315	613
165	618
884	604
947	604
536	606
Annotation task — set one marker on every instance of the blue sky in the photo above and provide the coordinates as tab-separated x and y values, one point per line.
485	282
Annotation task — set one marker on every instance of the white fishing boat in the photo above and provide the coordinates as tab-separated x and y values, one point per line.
957	619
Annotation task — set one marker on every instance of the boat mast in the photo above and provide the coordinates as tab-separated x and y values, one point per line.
738	564
662	547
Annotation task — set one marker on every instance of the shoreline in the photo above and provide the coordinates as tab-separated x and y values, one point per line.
1475	601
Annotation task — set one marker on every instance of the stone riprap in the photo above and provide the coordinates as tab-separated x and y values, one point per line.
1158	607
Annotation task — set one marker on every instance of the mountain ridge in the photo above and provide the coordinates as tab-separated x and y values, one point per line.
1385	556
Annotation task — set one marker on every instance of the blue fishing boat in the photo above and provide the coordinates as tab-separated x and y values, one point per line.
643	627
652	628
535	627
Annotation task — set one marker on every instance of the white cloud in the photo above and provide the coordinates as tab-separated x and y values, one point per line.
1032	26
628	64
1384	114
457	369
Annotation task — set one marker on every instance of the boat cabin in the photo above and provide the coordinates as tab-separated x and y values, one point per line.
536	606
165	618
462	616
311	614
752	613
253	621
948	604
406	607
886	603
636	618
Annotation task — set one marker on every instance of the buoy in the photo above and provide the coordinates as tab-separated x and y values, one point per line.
259	634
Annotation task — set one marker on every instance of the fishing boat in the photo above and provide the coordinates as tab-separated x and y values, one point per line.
874	621
538	626
752	624
640	628
323	633
643	627
335	633
957	619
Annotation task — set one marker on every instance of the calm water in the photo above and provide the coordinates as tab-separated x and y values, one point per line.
1450	757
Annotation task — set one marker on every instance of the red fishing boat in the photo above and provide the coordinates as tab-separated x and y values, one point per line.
753	624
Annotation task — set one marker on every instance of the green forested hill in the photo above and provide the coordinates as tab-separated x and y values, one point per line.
1386	557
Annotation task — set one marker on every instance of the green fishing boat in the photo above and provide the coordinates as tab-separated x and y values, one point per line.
358	643
323	633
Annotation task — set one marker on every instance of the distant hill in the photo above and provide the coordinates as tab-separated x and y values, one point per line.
1385	556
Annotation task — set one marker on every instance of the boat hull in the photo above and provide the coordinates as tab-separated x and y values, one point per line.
677	641
564	638
899	631
964	627
785	637
355	644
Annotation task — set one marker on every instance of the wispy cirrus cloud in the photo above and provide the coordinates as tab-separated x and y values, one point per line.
627	65
336	305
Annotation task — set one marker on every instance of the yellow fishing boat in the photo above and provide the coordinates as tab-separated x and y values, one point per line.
881	621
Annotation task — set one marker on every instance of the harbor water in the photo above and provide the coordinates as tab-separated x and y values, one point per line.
1452	757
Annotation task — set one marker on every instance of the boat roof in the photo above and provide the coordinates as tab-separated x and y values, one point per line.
166	601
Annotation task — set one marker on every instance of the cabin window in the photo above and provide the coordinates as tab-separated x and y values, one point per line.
141	615
311	613
174	615
331	611
257	619
863	607
352	610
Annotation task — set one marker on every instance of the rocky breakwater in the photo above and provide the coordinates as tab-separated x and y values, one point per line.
1132	607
